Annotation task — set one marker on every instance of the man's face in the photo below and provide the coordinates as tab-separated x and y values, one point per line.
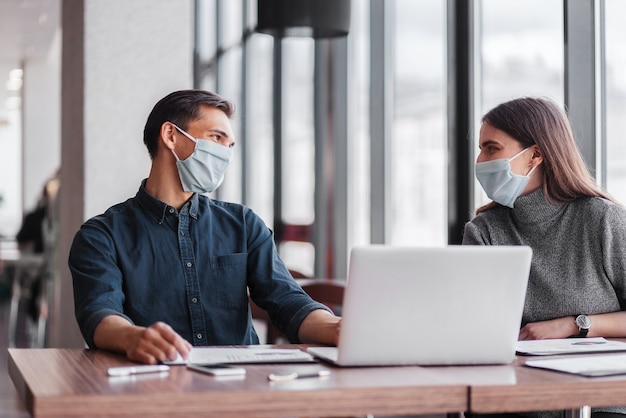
213	125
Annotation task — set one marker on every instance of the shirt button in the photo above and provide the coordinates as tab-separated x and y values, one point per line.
199	336
171	210
188	264
194	300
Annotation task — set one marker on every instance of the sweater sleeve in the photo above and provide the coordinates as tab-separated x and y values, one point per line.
614	250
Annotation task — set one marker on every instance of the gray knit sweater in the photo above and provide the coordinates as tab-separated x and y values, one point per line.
579	255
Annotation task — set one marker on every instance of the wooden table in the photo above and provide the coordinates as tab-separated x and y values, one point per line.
74	383
537	389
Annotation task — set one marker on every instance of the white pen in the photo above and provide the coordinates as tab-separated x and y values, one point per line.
128	370
291	376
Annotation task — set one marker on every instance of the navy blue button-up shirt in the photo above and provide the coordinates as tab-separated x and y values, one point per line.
148	262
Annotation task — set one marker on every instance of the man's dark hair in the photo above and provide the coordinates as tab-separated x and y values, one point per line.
180	108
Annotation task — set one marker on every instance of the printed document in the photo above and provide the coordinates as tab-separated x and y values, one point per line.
244	354
568	346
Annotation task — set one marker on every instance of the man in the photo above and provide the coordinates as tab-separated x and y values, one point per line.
171	268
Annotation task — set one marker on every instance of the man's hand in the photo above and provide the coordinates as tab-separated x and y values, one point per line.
154	344
554	328
337	332
320	327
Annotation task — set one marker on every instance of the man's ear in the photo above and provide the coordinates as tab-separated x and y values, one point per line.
167	135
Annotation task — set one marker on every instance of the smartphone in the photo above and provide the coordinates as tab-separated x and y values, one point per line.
218	369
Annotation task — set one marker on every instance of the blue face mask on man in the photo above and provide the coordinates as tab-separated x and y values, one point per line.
499	182
203	171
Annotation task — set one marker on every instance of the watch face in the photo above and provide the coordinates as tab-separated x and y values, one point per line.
583	321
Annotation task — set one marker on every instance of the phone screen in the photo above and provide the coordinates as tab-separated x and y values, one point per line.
218	369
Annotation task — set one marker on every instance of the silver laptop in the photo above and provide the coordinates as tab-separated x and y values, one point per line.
431	306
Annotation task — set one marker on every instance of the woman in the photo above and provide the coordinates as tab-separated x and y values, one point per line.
544	197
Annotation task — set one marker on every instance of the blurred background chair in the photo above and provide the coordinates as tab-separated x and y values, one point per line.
328	292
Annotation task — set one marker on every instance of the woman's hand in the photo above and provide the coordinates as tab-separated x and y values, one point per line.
554	328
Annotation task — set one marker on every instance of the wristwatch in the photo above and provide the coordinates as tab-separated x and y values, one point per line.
584	323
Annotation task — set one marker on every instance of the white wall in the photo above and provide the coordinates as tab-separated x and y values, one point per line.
136	52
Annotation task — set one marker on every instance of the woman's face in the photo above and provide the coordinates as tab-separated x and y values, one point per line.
495	144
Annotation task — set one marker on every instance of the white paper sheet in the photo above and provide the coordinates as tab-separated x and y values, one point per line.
593	365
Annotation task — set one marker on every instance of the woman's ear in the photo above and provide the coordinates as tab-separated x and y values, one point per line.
536	157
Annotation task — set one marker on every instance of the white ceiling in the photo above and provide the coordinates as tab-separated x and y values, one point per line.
26	31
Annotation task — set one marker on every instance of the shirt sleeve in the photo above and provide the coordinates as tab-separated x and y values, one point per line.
271	285
96	279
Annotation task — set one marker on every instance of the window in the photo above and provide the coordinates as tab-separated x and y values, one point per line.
418	179
358	127
259	127
298	179
615	98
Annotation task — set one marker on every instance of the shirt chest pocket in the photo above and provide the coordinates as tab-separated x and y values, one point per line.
227	284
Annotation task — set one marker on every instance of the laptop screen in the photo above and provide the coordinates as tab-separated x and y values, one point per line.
443	305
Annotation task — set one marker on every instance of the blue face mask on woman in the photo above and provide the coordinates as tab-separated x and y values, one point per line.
499	182
203	171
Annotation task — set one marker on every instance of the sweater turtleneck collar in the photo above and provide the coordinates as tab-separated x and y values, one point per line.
533	208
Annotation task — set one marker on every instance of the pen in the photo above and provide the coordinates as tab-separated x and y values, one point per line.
291	376
127	371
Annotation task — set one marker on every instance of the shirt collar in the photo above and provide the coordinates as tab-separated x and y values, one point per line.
158	209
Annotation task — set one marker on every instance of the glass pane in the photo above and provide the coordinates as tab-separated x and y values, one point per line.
298	131
521	50
298	179
206	34
417	214
358	126
251	14
522	54
298	256
260	128
615	98
230	22
208	82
